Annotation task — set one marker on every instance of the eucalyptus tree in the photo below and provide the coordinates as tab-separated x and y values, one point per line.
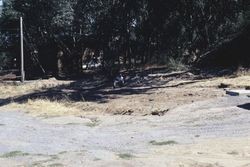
127	32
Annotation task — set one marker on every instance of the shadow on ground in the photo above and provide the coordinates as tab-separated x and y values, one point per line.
100	90
245	106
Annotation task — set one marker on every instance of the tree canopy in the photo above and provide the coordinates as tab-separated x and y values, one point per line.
126	33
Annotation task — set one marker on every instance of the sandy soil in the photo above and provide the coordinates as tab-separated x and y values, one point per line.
175	119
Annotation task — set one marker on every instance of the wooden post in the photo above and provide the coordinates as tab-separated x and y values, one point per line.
22	54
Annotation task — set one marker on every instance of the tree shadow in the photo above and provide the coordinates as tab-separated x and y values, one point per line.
97	90
100	94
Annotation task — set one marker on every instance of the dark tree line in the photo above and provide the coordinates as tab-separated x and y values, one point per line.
125	33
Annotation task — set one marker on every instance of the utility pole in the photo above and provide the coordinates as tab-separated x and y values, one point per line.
22	55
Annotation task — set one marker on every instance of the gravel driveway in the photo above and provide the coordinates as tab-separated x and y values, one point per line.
181	137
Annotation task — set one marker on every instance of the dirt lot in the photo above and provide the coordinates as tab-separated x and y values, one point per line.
145	94
158	119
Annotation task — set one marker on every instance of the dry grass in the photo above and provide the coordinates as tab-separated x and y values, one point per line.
12	89
14	154
159	99
38	107
46	108
176	64
235	82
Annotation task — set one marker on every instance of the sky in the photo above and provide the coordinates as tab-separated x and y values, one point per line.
1	2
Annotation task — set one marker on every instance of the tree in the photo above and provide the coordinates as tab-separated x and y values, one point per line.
128	33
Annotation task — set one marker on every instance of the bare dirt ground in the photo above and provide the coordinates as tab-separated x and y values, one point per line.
170	119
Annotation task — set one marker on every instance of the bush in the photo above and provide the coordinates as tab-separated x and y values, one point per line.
176	64
5	61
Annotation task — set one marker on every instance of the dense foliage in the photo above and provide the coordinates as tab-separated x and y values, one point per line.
126	33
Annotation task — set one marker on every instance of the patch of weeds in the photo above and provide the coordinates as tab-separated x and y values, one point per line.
170	142
63	152
81	153
56	165
46	116
159	113
14	154
126	156
72	124
39	155
97	159
36	164
53	157
233	153
198	125
40	163
124	112
94	123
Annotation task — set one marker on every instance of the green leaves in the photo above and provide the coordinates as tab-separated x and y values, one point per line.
131	30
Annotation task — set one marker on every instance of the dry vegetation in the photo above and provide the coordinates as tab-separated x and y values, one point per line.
157	100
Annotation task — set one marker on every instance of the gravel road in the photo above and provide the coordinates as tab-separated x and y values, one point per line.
182	137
